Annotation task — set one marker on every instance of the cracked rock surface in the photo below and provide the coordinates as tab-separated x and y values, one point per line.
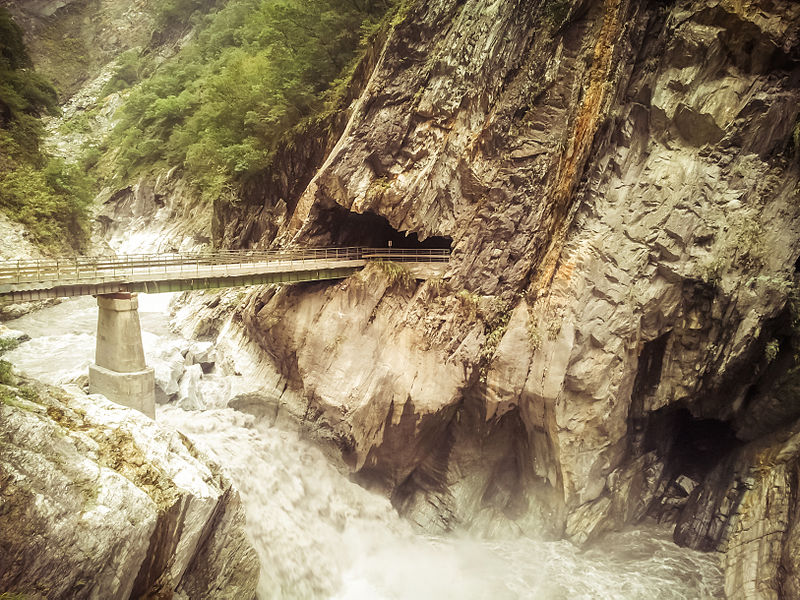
98	501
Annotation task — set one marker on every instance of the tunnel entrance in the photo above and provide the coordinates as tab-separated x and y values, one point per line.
342	227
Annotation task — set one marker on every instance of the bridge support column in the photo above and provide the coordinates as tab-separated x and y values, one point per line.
120	372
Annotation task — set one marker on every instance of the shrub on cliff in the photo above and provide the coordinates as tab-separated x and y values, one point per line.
52	202
24	94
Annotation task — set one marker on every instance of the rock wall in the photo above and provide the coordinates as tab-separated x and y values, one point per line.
72	40
98	501
158	213
619	182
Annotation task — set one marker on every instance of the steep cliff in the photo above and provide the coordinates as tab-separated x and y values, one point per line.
615	336
100	502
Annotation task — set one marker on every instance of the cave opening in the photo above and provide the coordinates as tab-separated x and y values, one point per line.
345	228
648	377
690	445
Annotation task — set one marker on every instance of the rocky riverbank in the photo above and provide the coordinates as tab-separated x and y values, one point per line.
99	501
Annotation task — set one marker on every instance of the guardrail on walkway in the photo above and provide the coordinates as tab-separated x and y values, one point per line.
86	268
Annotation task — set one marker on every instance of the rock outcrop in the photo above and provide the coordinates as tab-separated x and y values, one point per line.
619	182
98	501
748	508
160	214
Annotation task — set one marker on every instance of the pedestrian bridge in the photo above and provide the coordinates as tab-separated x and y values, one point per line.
26	280
120	372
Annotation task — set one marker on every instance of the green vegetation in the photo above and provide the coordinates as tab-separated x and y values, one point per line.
397	274
24	96
7	344
470	302
130	67
255	69
50	199
6	376
772	349
495	327
556	12
19	396
48	196
744	246
182	12
534	337
436	286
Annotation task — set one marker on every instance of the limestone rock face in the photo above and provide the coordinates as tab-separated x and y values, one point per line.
69	40
154	216
619	181
748	508
97	501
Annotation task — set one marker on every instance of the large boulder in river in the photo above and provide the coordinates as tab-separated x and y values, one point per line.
190	395
98	501
203	354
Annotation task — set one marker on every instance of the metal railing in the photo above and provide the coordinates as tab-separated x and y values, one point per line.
93	268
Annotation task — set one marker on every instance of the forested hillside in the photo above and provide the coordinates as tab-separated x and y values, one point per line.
211	93
255	69
47	195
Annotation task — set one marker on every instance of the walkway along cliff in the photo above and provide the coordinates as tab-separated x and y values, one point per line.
119	372
616	333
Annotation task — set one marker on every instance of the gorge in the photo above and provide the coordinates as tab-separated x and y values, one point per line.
614	342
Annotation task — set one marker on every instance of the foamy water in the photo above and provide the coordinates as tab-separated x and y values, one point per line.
318	535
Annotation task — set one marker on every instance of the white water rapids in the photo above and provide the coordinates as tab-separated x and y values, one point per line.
319	535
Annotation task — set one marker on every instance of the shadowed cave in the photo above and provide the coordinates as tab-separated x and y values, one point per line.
687	445
342	227
691	446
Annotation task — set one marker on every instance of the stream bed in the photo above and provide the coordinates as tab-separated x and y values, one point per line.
318	535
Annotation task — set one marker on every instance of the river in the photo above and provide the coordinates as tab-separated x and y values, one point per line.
318	535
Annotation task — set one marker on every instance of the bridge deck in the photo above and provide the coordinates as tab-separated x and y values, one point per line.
77	276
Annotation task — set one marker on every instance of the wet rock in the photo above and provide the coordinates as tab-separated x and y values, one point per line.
12	335
99	501
190	394
259	404
201	353
685	484
168	367
620	191
747	508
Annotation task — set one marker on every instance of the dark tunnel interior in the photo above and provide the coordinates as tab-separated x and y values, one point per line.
692	446
346	228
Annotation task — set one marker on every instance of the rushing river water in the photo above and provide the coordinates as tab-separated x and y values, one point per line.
318	535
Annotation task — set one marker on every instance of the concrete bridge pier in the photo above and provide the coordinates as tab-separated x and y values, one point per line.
120	372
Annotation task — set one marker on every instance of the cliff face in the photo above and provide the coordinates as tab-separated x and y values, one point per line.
100	502
71	40
619	184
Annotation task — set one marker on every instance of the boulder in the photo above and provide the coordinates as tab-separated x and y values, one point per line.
101	502
190	395
259	404
201	353
12	335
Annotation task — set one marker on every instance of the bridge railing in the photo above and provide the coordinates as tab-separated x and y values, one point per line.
406	254
84	268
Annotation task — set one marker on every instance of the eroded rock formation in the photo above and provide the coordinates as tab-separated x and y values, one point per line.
619	183
98	501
